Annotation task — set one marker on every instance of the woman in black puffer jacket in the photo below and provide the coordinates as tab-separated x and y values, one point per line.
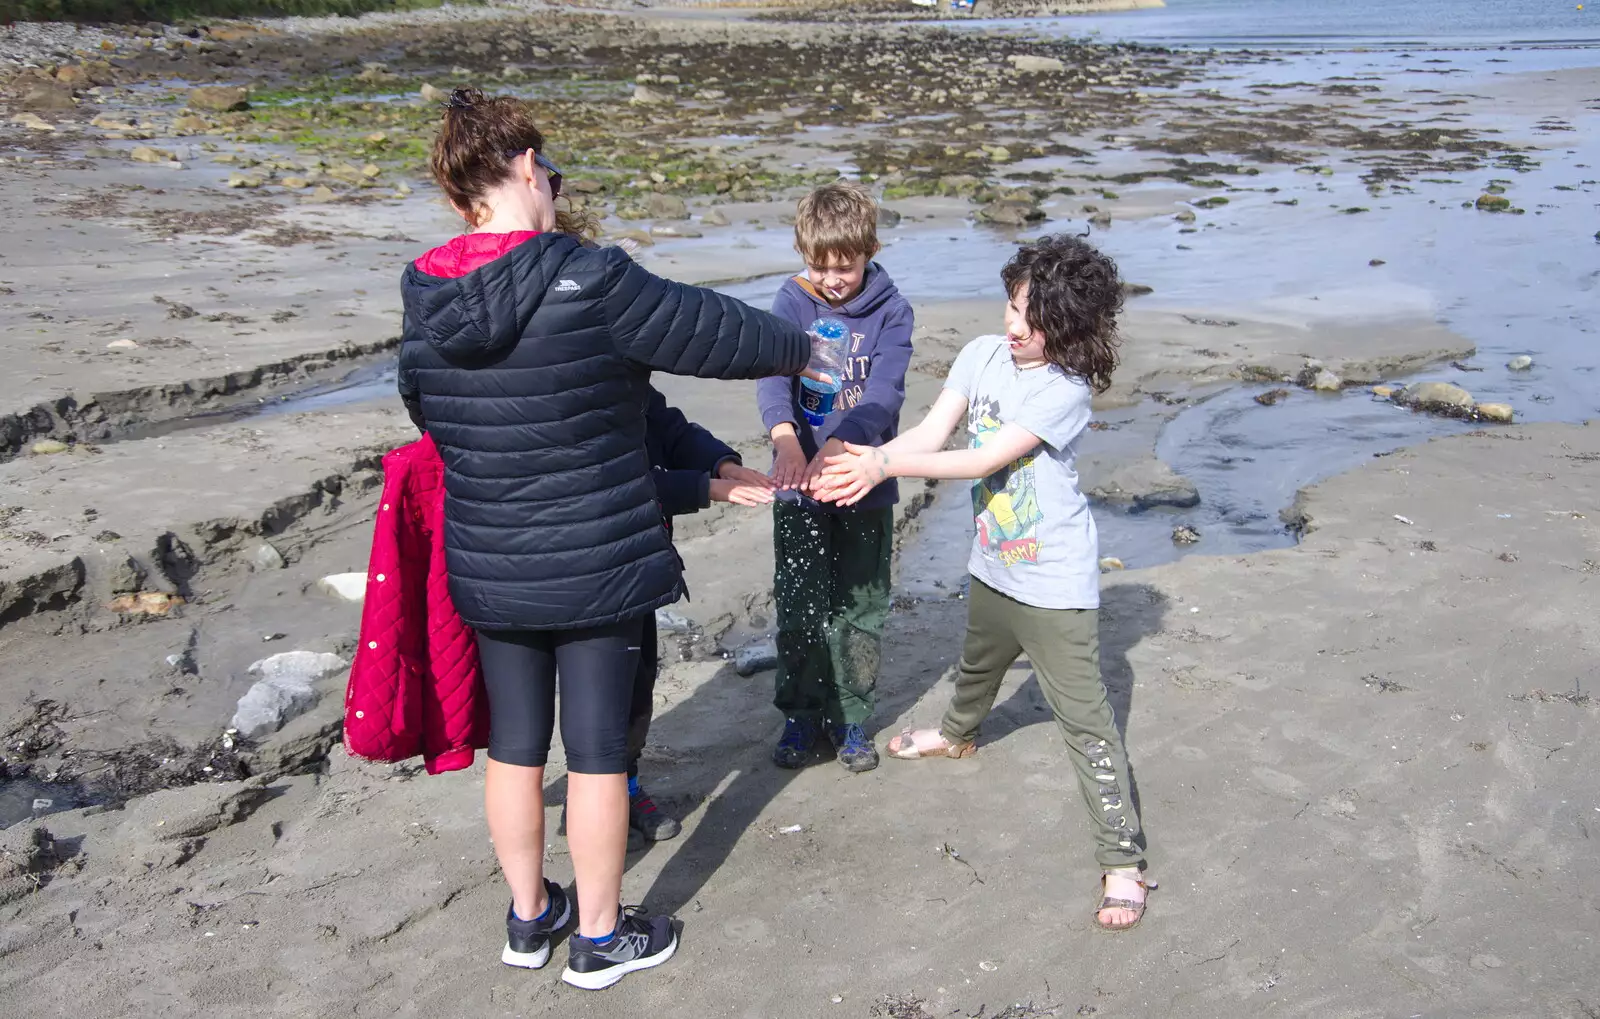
527	357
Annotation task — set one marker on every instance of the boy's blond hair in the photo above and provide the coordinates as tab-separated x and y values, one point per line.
836	220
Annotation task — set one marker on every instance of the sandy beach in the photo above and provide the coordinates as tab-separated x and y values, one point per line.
1357	706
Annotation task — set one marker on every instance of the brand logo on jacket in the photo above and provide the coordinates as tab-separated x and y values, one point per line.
567	287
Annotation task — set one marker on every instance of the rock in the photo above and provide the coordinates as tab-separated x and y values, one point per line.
295	183
1109	563
248	181
710	94
286	689
1011	212
46	447
73	76
190	124
716	217
1493	203
1147	483
323	193
430	94
1271	397
1375	262
1186	216
1521	363
1481	962
757	657
638	237
1323	381
351	587
888	219
1435	396
1384	392
145	603
666	207
1100	220
1026	64
48	97
126	576
371	171
32	121
1500	413
1136	289
649	97
266	557
667	230
218	99
146	154
1184	535
668	621
123	344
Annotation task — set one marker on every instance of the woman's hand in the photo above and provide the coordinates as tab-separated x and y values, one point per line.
833	447
847	477
789	461
733	471
742	493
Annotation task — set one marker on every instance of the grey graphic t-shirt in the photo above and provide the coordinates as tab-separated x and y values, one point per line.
1036	540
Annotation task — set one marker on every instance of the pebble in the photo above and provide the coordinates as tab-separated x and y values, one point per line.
1493	203
1185	535
1501	413
45	447
987	966
1027	64
123	344
1325	381
33	122
649	97
1271	397
1435	396
668	230
266	557
668	621
1521	363
716	217
1109	563
350	587
147	154
757	657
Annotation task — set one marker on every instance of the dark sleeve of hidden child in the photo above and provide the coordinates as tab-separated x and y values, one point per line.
683	457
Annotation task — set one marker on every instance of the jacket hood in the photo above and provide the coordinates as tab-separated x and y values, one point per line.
473	297
876	289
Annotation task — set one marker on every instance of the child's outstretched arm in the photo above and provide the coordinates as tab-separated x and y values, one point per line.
696	468
860	469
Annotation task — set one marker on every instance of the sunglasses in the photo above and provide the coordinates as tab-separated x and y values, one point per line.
549	169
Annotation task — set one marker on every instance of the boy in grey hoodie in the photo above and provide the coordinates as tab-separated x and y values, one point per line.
831	581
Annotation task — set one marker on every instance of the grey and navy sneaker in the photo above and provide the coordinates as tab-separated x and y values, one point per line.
647	819
639	942
528	941
854	746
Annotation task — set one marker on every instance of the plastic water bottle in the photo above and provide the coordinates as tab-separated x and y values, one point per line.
828	339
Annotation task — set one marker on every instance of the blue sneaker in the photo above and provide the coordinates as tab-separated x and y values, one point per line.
797	745
855	748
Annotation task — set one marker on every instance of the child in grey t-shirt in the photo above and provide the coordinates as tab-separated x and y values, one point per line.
1035	558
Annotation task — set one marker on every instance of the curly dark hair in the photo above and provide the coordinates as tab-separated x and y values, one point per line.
1074	294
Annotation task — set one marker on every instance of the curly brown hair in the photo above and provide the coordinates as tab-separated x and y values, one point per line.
1074	294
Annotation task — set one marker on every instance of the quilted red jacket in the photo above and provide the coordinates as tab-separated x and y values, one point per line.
414	687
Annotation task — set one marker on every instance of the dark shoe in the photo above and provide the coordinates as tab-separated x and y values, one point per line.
528	941
855	748
647	819
641	941
797	745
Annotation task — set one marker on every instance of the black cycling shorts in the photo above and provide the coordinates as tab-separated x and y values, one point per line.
595	669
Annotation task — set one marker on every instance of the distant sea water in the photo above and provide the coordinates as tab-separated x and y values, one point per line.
1339	24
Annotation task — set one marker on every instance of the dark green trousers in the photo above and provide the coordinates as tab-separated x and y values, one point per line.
831	585
1064	647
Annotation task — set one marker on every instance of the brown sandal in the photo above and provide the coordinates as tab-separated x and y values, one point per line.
912	750
1136	908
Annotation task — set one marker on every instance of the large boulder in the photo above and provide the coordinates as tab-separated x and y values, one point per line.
219	99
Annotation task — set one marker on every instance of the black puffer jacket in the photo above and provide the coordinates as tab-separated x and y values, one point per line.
531	373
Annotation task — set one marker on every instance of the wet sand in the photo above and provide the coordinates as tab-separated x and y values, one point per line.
1436	854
